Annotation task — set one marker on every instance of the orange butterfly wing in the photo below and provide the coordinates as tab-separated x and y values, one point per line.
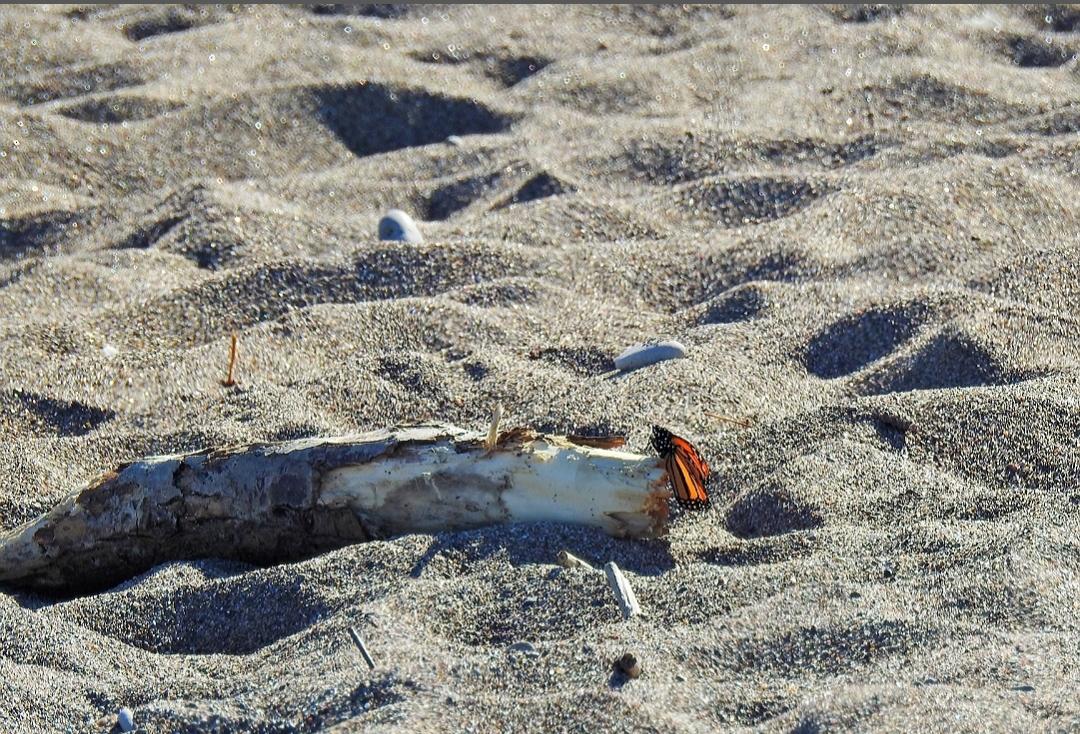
686	451
689	490
686	469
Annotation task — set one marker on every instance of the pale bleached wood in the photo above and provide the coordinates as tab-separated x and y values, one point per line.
624	593
493	431
569	560
269	503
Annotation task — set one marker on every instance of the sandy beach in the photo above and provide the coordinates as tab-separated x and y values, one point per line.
862	223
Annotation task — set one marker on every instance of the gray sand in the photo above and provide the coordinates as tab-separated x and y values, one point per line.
861	222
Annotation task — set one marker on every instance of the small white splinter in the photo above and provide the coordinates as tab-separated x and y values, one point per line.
362	647
624	594
569	560
493	431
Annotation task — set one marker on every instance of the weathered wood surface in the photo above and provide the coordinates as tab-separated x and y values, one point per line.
623	591
271	503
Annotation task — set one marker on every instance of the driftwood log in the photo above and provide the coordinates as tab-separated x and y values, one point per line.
271	503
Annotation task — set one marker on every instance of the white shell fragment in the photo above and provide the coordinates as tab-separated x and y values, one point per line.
642	355
126	720
525	649
454	140
399	227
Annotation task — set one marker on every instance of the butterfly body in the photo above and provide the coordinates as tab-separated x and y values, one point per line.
686	469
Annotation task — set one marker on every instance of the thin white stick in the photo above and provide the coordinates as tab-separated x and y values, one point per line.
363	648
569	560
624	594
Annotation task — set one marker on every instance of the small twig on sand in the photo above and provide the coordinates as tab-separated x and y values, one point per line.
741	422
569	560
363	648
624	594
493	431
229	380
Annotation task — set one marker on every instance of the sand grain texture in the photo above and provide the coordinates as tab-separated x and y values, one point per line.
861	222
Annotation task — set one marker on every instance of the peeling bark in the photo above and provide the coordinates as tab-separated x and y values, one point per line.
270	503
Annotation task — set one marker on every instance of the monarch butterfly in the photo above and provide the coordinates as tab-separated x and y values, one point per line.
685	468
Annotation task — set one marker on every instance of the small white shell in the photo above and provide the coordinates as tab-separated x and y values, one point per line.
399	227
454	140
525	649
642	355
126	719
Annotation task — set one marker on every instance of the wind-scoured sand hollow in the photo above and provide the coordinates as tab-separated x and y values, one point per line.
857	227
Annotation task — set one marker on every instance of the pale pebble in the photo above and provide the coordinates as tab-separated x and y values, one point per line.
399	227
526	649
454	140
126	719
642	355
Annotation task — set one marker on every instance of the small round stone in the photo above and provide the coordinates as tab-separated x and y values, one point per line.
454	140
126	719
642	355
399	227
630	665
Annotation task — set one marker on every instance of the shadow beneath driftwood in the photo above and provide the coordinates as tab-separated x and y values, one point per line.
540	543
178	608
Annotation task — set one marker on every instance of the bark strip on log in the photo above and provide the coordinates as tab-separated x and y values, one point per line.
271	503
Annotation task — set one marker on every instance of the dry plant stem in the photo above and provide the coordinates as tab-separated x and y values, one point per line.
229	375
624	593
741	422
270	503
